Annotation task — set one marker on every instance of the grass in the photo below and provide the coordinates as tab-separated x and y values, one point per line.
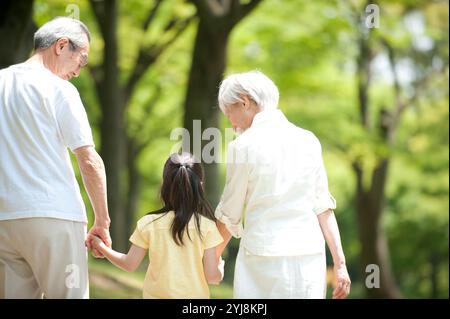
110	282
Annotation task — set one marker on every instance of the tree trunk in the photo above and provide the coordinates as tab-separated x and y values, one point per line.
112	125
374	247
134	185
216	21
434	269
370	203
16	31
208	67
114	99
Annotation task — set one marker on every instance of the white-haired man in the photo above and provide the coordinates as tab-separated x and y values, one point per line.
275	173
42	214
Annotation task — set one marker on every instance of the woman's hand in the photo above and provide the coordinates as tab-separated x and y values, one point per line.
343	282
221	267
330	231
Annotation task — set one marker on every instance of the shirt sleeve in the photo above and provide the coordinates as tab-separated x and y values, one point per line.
73	121
139	238
323	199
213	237
231	205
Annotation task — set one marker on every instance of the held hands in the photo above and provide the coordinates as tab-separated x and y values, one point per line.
98	232
343	282
96	243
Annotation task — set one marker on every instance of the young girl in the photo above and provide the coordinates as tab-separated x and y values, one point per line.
180	238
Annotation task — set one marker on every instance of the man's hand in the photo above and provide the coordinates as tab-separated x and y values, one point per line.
343	282
103	233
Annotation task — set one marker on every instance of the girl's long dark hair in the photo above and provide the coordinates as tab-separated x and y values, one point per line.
182	192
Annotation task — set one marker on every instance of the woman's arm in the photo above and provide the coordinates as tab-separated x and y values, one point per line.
226	235
128	262
213	266
330	231
229	210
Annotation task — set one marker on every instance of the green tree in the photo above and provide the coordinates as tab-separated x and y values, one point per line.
118	148
372	180
216	21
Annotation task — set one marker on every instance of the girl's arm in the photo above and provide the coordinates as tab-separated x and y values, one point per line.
128	262
213	266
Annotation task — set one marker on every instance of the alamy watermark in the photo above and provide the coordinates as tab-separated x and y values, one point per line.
73	277
372	19
207	147
373	277
210	152
73	11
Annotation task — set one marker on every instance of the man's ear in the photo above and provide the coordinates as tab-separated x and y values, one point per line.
60	44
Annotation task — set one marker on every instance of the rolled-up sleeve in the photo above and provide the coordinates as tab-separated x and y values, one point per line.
231	205
323	198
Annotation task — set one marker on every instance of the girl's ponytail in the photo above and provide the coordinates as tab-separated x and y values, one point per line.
183	197
182	191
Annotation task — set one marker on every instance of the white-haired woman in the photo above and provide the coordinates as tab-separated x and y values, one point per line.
276	175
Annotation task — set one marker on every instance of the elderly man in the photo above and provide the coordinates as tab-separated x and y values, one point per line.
275	173
42	215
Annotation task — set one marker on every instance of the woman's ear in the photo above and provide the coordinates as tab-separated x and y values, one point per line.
245	101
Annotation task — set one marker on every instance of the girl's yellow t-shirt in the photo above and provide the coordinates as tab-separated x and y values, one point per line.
175	271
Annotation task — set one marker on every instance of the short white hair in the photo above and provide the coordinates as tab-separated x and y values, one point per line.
254	84
60	27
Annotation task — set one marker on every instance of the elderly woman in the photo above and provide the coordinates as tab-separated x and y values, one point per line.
275	173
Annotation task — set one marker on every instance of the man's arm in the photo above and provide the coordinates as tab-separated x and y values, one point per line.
94	179
330	230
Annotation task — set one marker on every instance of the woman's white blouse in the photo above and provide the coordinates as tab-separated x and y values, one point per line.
276	183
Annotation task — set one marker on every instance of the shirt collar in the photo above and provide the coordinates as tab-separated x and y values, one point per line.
268	115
